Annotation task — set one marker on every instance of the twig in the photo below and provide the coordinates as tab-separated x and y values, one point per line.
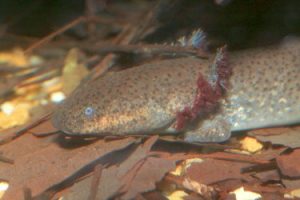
90	19
112	22
152	49
130	34
11	136
90	11
40	79
106	62
36	74
148	20
259	167
95	182
55	33
5	68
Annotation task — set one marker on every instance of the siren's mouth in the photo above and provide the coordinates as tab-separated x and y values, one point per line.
58	120
62	123
60	126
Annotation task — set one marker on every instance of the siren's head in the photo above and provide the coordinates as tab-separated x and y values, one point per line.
79	113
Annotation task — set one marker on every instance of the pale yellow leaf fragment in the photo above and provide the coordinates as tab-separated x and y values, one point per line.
16	58
187	163
177	171
14	114
180	169
251	145
295	193
202	189
170	191
52	85
3	187
241	194
238	151
177	195
73	71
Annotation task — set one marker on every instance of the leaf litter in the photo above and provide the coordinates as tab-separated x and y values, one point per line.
137	174
288	136
41	156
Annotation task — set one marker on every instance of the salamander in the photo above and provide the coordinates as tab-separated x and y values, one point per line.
261	88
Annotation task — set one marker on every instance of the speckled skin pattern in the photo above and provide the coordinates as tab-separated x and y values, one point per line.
264	91
265	86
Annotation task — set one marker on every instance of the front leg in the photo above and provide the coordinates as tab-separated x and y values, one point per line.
214	129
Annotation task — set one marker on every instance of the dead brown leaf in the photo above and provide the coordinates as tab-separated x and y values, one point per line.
154	195
227	186
236	157
211	171
271	153
151	171
288	136
136	175
289	164
42	162
272	196
270	175
291	183
259	188
110	181
269	131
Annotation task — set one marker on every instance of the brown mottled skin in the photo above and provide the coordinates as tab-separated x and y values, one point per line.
264	91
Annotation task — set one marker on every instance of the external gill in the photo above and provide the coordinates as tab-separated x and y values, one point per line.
221	71
208	92
197	40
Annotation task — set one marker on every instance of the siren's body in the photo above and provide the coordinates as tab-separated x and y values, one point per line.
264	90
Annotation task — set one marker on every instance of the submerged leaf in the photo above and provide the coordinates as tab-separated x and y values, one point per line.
73	71
14	114
289	164
251	145
177	195
16	58
288	136
241	194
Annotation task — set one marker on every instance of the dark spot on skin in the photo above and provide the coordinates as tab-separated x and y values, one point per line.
115	110
265	89
145	87
145	95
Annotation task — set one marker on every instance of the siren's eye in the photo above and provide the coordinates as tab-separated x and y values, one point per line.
89	111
